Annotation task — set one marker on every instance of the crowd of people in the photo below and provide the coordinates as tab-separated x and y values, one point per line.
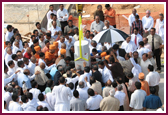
40	75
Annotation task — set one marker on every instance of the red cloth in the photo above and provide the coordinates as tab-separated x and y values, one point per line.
26	55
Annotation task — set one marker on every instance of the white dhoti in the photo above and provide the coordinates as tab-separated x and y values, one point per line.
62	107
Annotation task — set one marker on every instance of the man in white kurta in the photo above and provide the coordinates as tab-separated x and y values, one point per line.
82	89
8	56
61	94
32	65
144	64
51	7
148	23
160	26
9	33
131	18
35	92
15	106
129	45
50	99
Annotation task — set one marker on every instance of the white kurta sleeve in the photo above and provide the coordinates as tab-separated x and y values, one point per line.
130	21
32	77
66	17
9	79
151	24
58	16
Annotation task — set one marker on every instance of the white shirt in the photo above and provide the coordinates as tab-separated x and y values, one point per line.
32	105
8	58
15	49
93	102
16	66
50	99
14	106
8	98
106	74
147	22
82	78
44	104
83	94
49	24
98	47
120	96
42	43
70	44
138	39
9	79
110	27
142	50
108	46
61	94
53	30
137	99
8	35
161	28
62	13
35	93
131	19
129	47
73	80
31	67
20	45
50	12
11	71
153	78
144	66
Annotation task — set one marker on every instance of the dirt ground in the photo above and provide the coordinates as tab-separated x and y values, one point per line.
121	9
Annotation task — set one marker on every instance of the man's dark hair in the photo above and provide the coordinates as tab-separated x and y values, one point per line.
111	59
152	90
72	64
18	51
135	52
45	109
20	63
39	108
8	27
69	74
35	41
25	60
30	96
87	31
75	93
95	67
15	30
115	46
99	6
68	58
5	67
47	41
41	54
69	21
71	85
61	79
114	84
32	36
136	29
4	103
107	5
49	82
18	35
138	85
91	35
87	69
92	80
153	29
34	31
37	23
48	34
145	54
24	98
94	50
127	54
119	80
91	92
101	63
14	97
141	43
24	43
130	75
137	16
10	63
67	68
161	15
51	5
41	97
7	42
34	83
150	67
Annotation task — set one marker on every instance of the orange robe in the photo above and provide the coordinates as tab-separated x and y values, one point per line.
49	56
145	87
56	52
111	12
37	57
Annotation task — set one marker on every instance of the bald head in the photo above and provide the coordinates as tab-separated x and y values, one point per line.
81	84
109	83
33	59
42	65
63	46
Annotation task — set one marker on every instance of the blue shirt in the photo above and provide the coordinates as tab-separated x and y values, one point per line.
22	77
52	72
98	51
152	102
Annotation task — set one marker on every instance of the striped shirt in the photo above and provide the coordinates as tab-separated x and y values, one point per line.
138	25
